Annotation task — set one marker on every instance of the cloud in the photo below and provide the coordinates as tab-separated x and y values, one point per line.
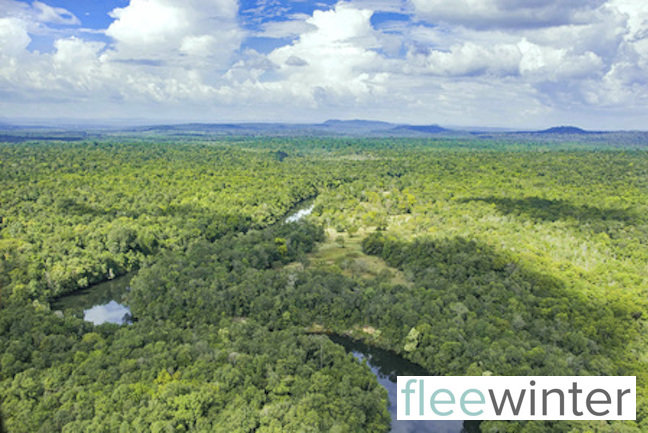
470	59
506	13
333	59
290	28
547	63
296	61
146	24
165	29
37	12
523	59
158	52
590	58
13	36
636	13
49	14
78	64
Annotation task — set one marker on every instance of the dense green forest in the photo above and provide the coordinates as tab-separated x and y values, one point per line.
464	257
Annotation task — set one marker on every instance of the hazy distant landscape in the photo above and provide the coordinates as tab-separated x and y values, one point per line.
330	128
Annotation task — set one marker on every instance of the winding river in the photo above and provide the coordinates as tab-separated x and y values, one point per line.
387	366
105	303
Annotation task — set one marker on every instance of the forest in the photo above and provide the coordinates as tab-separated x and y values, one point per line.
465	257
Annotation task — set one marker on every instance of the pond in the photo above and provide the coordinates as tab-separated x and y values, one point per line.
100	303
387	366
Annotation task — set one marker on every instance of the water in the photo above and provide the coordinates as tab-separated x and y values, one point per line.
301	210
387	366
112	312
104	302
101	303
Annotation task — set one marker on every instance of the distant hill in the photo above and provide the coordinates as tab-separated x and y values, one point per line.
358	123
332	127
565	130
426	129
205	127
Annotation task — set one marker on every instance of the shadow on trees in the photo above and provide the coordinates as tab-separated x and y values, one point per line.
20	138
474	309
211	223
555	209
2	426
471	309
387	363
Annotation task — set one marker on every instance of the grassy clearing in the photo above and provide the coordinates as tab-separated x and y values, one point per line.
344	252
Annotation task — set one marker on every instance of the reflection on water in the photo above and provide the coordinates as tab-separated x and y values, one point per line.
300	211
101	303
104	302
387	366
112	312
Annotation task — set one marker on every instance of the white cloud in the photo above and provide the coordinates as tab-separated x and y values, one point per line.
13	36
292	27
49	14
167	30
146	24
249	69
202	45
494	55
333	60
471	59
546	63
589	58
636	13
506	13
181	48
78	65
37	17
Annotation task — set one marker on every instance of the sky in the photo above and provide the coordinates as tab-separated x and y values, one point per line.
495	63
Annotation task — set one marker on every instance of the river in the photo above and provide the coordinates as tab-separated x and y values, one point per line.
386	366
105	303
300	210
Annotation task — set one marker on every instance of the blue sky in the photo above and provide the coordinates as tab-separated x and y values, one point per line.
466	62
92	14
